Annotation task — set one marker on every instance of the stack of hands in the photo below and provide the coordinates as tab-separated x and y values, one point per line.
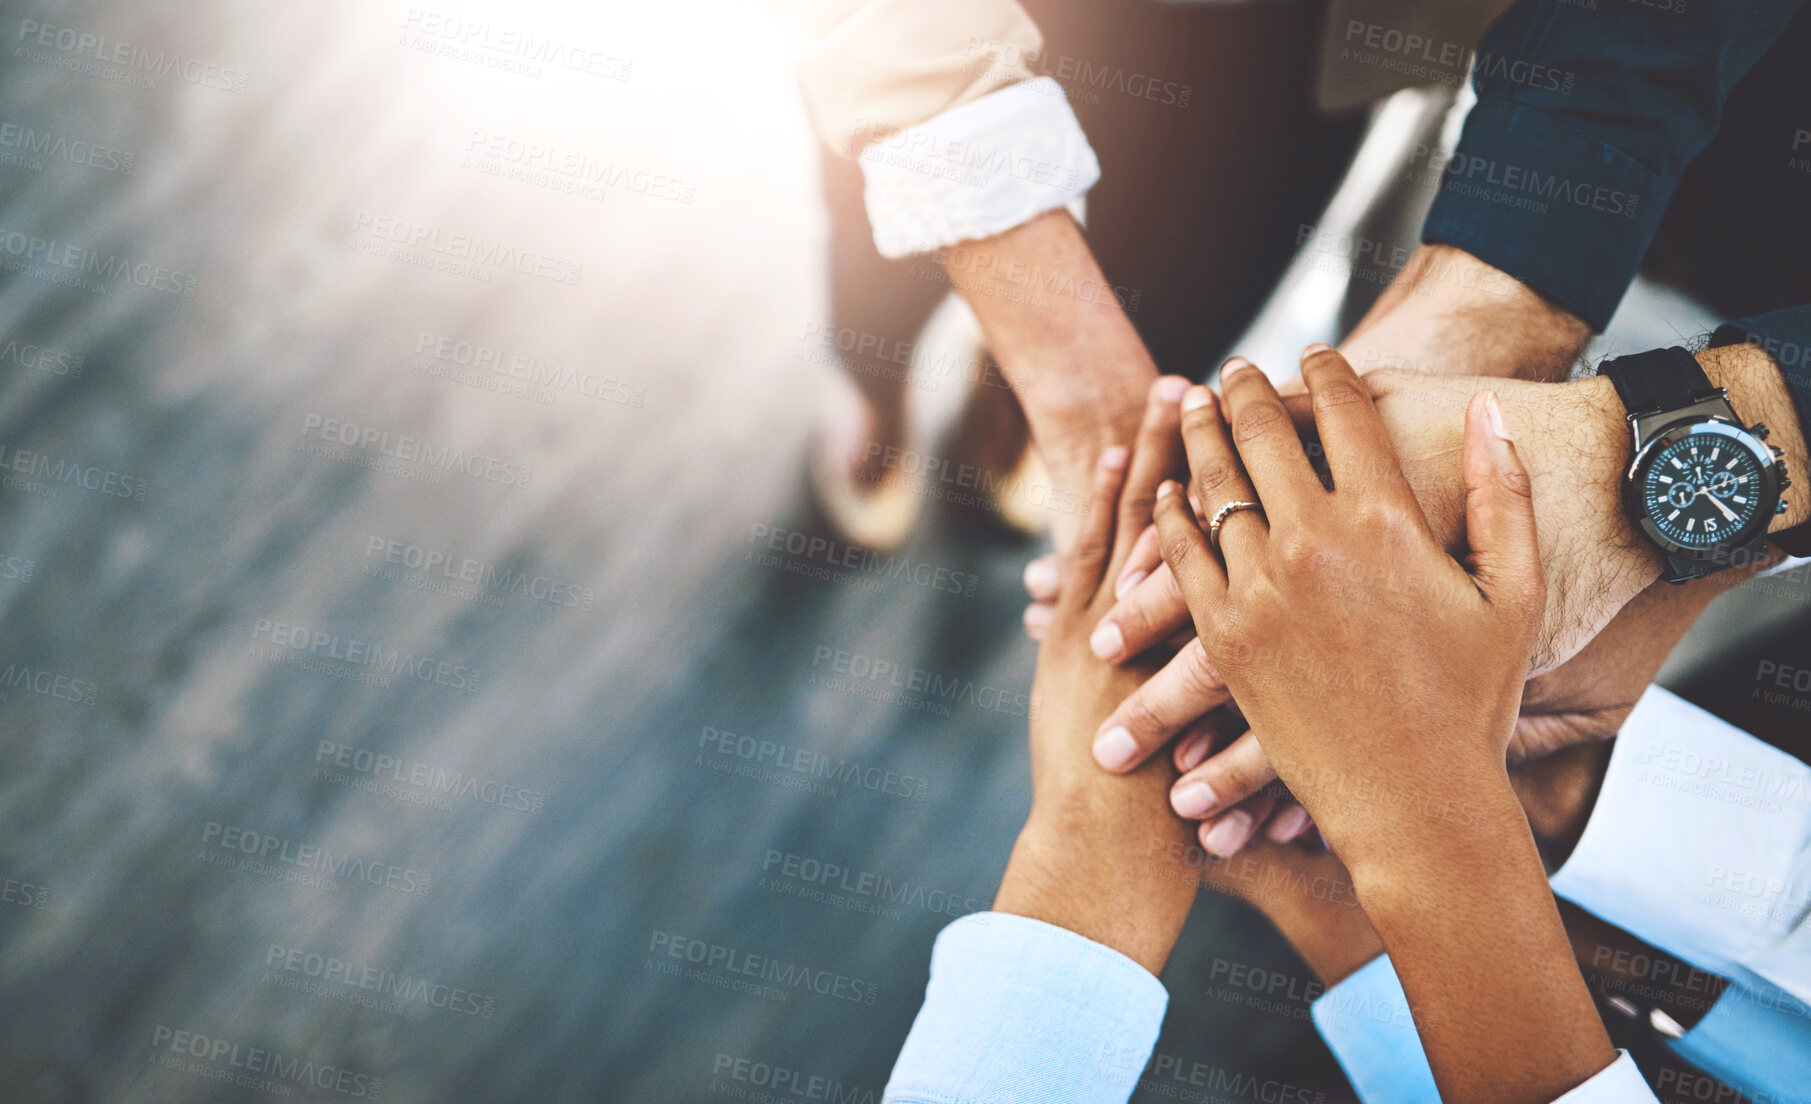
1273	636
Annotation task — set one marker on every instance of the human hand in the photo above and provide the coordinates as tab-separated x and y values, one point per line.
1085	858
1382	677
1361	652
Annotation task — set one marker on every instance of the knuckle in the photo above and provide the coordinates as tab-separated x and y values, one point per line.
1336	393
1516	482
1196	675
1178	551
1212	477
1298	554
1257	421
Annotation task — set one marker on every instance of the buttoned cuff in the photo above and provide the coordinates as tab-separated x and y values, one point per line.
1019	1010
1698	841
1757	1041
1554	206
977	170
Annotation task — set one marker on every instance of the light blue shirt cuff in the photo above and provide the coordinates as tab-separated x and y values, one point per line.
1756	1041
1023	1012
1620	1082
1700	844
1365	1022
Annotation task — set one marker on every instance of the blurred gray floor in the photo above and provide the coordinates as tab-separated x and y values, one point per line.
277	501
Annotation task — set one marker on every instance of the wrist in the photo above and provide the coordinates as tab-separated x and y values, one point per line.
1401	841
1105	878
1758	392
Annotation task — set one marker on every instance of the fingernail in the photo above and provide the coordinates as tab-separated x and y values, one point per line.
1234	364
1197	397
1170	388
1317	347
1194	749
1287	823
1107	641
1193	800
1166	487
1040	577
1229	835
1127	580
1114	457
1114	748
1493	411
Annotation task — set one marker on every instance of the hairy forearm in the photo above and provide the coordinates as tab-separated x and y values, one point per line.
1449	313
1758	391
1473	903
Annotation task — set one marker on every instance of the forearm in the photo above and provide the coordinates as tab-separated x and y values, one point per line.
1449	313
1099	867
1758	391
1057	327
1472	902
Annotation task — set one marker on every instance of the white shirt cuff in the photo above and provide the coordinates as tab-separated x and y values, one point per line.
1700	843
977	170
1020	1010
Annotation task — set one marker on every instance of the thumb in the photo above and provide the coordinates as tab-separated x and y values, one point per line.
1499	509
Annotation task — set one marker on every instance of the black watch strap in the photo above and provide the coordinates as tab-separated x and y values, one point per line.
1659	379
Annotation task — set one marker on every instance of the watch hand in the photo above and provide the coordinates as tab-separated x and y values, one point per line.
1718	503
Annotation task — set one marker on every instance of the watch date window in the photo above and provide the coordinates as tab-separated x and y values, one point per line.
1701	490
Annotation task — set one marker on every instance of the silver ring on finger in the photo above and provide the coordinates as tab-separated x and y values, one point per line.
1220	516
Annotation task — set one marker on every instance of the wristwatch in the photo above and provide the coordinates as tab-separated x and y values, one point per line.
1702	488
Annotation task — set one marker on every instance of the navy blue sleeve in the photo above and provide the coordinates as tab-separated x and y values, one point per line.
1588	112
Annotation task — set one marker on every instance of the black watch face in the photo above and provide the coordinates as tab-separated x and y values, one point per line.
1703	490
